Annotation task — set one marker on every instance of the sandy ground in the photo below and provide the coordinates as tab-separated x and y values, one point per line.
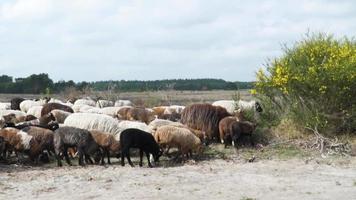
211	179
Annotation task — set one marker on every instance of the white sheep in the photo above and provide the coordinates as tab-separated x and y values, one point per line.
104	103
27	104
92	121
17	113
155	124
88	102
174	109
5	106
120	103
232	106
60	115
125	124
111	111
182	138
35	111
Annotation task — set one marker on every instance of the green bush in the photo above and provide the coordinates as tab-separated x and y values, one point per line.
315	81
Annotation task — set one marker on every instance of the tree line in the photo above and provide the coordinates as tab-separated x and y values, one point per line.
41	83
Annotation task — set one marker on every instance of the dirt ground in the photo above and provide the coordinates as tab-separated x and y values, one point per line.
209	179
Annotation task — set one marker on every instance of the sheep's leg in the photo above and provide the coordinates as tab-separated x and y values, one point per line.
59	160
81	157
108	155
129	159
123	152
88	160
148	159
141	155
190	153
65	154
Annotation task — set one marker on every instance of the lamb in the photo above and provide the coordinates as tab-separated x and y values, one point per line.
44	138
60	115
35	111
84	142
15	103
159	110
48	107
27	104
135	138
107	142
182	138
90	121
104	103
120	103
5	106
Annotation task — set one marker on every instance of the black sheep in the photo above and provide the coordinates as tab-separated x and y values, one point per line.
145	142
15	103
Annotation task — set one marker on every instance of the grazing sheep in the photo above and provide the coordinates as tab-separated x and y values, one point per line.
125	124
137	114
88	102
44	141
93	110
86	108
204	117
27	104
174	117
174	109
111	111
50	126
120	103
155	124
104	103
159	110
35	111
60	115
17	113
107	142
91	121
231	106
182	138
15	103
136	138
48	107
84	142
231	130
16	140
5	106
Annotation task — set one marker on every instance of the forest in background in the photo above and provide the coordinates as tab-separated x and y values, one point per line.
43	84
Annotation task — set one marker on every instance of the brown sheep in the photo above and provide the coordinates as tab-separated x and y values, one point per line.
16	140
44	141
136	114
204	117
48	107
232	130
182	138
107	142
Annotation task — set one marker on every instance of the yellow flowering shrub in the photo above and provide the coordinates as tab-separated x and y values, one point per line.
319	69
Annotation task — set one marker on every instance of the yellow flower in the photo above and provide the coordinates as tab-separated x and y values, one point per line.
253	92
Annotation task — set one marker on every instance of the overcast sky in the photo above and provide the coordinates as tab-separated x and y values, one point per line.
88	40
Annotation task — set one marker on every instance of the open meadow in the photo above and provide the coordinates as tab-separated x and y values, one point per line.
276	170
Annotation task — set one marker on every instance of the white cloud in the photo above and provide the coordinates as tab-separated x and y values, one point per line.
96	40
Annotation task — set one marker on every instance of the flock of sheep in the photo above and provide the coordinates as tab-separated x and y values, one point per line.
88	129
